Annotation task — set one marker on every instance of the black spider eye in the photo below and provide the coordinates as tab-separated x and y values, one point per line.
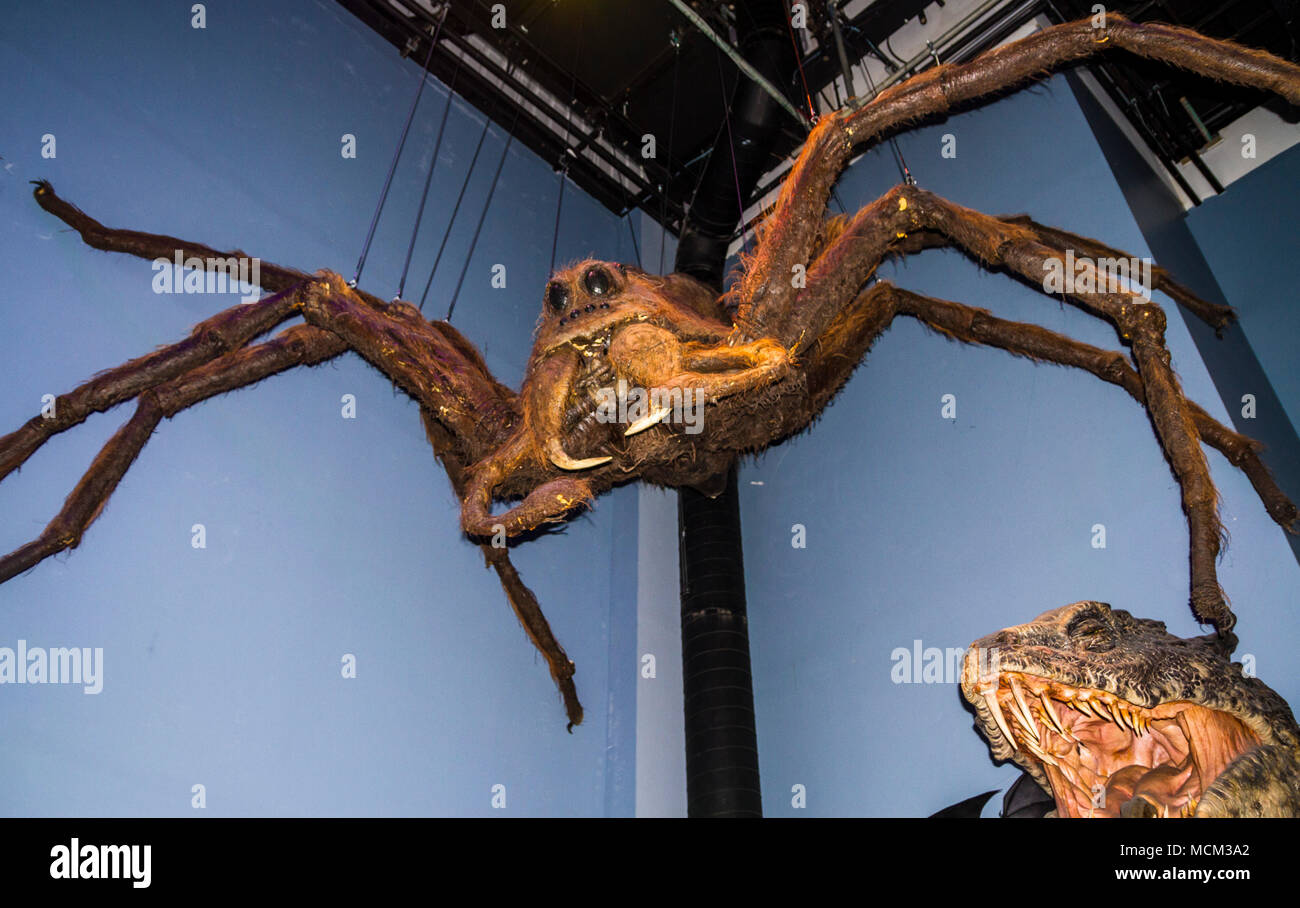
597	281
557	296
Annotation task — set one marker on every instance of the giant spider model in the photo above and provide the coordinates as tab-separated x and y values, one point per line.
765	360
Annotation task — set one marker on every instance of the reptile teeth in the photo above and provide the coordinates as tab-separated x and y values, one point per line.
1041	754
1050	713
1019	697
991	701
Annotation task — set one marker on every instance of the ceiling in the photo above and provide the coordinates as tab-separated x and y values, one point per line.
581	82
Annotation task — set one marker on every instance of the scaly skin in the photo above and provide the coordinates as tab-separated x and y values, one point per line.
1148	685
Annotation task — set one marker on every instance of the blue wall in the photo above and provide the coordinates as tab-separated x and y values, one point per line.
1249	237
329	536
1251	249
923	528
325	536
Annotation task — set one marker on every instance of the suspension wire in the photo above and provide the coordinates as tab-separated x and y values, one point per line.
798	58
559	205
668	155
893	140
835	194
486	205
392	168
446	234
731	144
635	248
428	180
563	167
564	155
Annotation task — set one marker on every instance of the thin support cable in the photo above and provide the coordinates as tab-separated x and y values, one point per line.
428	181
635	248
483	214
668	155
798	57
446	234
735	168
563	166
559	206
893	141
392	168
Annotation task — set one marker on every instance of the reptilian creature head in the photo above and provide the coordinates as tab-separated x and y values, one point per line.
1114	716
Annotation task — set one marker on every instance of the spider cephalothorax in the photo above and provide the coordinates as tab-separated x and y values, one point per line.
617	350
619	359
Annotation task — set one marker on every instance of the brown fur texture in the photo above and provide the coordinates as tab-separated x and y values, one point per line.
760	363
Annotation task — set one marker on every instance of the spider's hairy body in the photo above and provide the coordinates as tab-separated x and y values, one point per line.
763	361
592	347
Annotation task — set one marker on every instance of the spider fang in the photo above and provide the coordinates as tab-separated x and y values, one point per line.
565	462
655	417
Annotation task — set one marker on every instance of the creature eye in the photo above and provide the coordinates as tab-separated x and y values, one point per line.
597	281
1092	631
557	296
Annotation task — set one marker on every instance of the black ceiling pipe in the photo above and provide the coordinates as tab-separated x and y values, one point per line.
721	740
756	121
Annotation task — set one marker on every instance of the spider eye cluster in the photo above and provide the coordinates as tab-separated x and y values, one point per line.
594	289
597	281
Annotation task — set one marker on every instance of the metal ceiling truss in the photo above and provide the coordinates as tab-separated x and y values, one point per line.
596	136
561	120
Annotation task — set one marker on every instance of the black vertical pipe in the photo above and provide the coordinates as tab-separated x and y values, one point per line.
721	736
721	740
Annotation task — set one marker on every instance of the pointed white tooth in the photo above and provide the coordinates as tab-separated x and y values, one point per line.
1040	753
565	462
655	417
991	700
1050	712
1019	695
1129	719
1083	706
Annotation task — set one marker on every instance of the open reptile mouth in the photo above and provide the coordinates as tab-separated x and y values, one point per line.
1107	757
